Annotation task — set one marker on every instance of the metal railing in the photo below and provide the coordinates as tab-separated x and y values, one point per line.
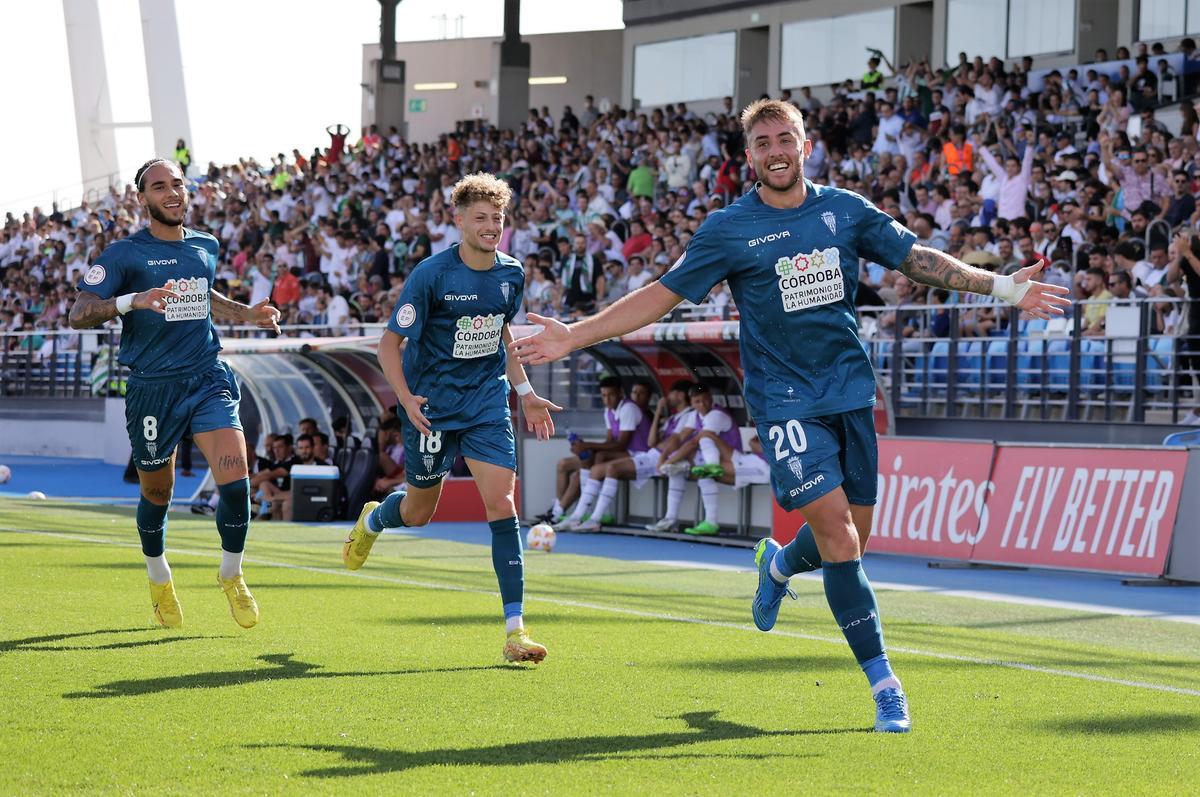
1034	369
61	363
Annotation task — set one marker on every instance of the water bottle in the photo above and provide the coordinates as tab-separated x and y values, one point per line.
571	438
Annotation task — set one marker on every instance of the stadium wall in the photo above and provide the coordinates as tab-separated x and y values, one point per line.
74	428
590	61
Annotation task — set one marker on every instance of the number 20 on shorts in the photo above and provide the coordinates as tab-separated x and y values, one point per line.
788	439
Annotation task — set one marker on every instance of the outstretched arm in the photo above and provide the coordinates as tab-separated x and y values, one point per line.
262	315
939	270
90	310
536	409
557	340
935	268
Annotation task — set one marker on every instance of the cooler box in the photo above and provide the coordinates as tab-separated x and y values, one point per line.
315	490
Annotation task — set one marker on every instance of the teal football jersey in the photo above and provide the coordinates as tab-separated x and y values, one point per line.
453	317
181	340
794	273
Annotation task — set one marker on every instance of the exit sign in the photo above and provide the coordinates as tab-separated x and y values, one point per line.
416	106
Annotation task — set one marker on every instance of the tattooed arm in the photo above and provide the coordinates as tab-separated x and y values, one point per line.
931	267
226	309
262	315
90	310
1038	299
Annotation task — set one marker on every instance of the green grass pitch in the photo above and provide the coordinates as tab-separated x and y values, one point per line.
390	680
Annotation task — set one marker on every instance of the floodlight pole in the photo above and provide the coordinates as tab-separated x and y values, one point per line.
386	92
510	78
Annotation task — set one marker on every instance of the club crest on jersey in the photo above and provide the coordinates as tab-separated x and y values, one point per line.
428	461
830	221
810	279
796	467
152	448
504	290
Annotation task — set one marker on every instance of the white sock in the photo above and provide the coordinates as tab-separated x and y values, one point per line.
708	494
891	682
158	569
675	485
214	499
513	623
776	573
608	491
709	451
231	564
590	490
557	509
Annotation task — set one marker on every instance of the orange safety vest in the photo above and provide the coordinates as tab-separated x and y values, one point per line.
956	161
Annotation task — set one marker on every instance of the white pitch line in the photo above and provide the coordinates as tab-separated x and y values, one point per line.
1012	665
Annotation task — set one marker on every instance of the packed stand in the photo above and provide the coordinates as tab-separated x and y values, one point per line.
967	157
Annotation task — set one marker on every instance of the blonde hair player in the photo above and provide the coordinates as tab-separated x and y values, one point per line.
444	353
790	251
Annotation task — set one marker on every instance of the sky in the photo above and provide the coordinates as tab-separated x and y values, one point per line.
261	76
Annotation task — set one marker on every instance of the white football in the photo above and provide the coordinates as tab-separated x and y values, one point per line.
541	538
37	495
5	474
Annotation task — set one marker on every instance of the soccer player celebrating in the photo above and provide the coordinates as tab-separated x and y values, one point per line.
159	280
442	354
790	252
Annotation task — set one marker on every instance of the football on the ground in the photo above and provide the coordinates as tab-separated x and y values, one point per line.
5	474
541	538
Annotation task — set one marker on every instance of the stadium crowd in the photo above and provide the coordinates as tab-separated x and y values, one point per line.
1079	175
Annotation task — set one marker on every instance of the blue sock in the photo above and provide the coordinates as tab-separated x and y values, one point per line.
508	563
152	527
387	514
853	604
800	555
233	514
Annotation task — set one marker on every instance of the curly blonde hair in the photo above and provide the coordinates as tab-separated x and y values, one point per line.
480	187
770	111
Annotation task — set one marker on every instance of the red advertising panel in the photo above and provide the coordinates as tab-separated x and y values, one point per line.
1111	510
933	497
1101	509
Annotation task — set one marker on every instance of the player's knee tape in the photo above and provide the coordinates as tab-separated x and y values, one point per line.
233	514
508	563
152	527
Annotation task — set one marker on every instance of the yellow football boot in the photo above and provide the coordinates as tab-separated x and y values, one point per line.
519	647
358	544
167	611
241	603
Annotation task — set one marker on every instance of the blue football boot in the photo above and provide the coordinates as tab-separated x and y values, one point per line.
770	592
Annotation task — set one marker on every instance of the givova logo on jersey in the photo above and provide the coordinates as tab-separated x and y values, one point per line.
810	279
192	301
477	336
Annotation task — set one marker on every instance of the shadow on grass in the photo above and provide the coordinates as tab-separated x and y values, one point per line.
767	664
540	618
41	643
702	726
1138	724
281	667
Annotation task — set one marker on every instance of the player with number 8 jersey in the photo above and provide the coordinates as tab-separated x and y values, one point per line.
159	281
444	353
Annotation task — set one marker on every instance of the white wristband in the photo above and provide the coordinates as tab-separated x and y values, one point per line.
523	389
1006	288
125	303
